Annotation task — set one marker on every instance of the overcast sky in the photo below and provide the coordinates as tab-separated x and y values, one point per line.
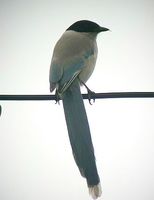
36	160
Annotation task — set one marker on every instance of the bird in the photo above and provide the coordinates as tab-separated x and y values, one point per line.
73	61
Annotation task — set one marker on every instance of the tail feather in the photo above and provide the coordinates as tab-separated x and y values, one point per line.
95	191
80	138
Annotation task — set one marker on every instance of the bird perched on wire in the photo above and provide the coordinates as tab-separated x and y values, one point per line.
72	64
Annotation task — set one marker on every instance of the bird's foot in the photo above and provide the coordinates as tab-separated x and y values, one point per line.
57	97
91	94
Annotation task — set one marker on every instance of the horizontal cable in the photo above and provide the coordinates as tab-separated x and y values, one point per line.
5	97
107	95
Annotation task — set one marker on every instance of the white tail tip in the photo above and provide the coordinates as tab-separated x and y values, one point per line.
95	191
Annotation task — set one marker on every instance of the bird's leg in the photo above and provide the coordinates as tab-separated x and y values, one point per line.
91	94
57	97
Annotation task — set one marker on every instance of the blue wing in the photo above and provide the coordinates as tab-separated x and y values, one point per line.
56	72
63	74
70	73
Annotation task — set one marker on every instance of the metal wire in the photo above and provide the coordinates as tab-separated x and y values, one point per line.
108	95
93	96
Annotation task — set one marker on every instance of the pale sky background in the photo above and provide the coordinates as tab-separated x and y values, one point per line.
36	160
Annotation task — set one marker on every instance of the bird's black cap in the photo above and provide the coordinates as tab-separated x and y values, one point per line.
86	26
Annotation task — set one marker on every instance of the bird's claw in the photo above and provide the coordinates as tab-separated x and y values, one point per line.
57	98
91	96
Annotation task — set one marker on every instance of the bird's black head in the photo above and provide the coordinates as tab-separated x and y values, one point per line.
87	27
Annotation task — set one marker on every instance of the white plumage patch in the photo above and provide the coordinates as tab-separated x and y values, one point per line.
95	191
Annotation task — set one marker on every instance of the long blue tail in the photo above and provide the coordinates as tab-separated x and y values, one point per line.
80	137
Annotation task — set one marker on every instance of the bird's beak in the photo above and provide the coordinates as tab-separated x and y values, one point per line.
104	29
